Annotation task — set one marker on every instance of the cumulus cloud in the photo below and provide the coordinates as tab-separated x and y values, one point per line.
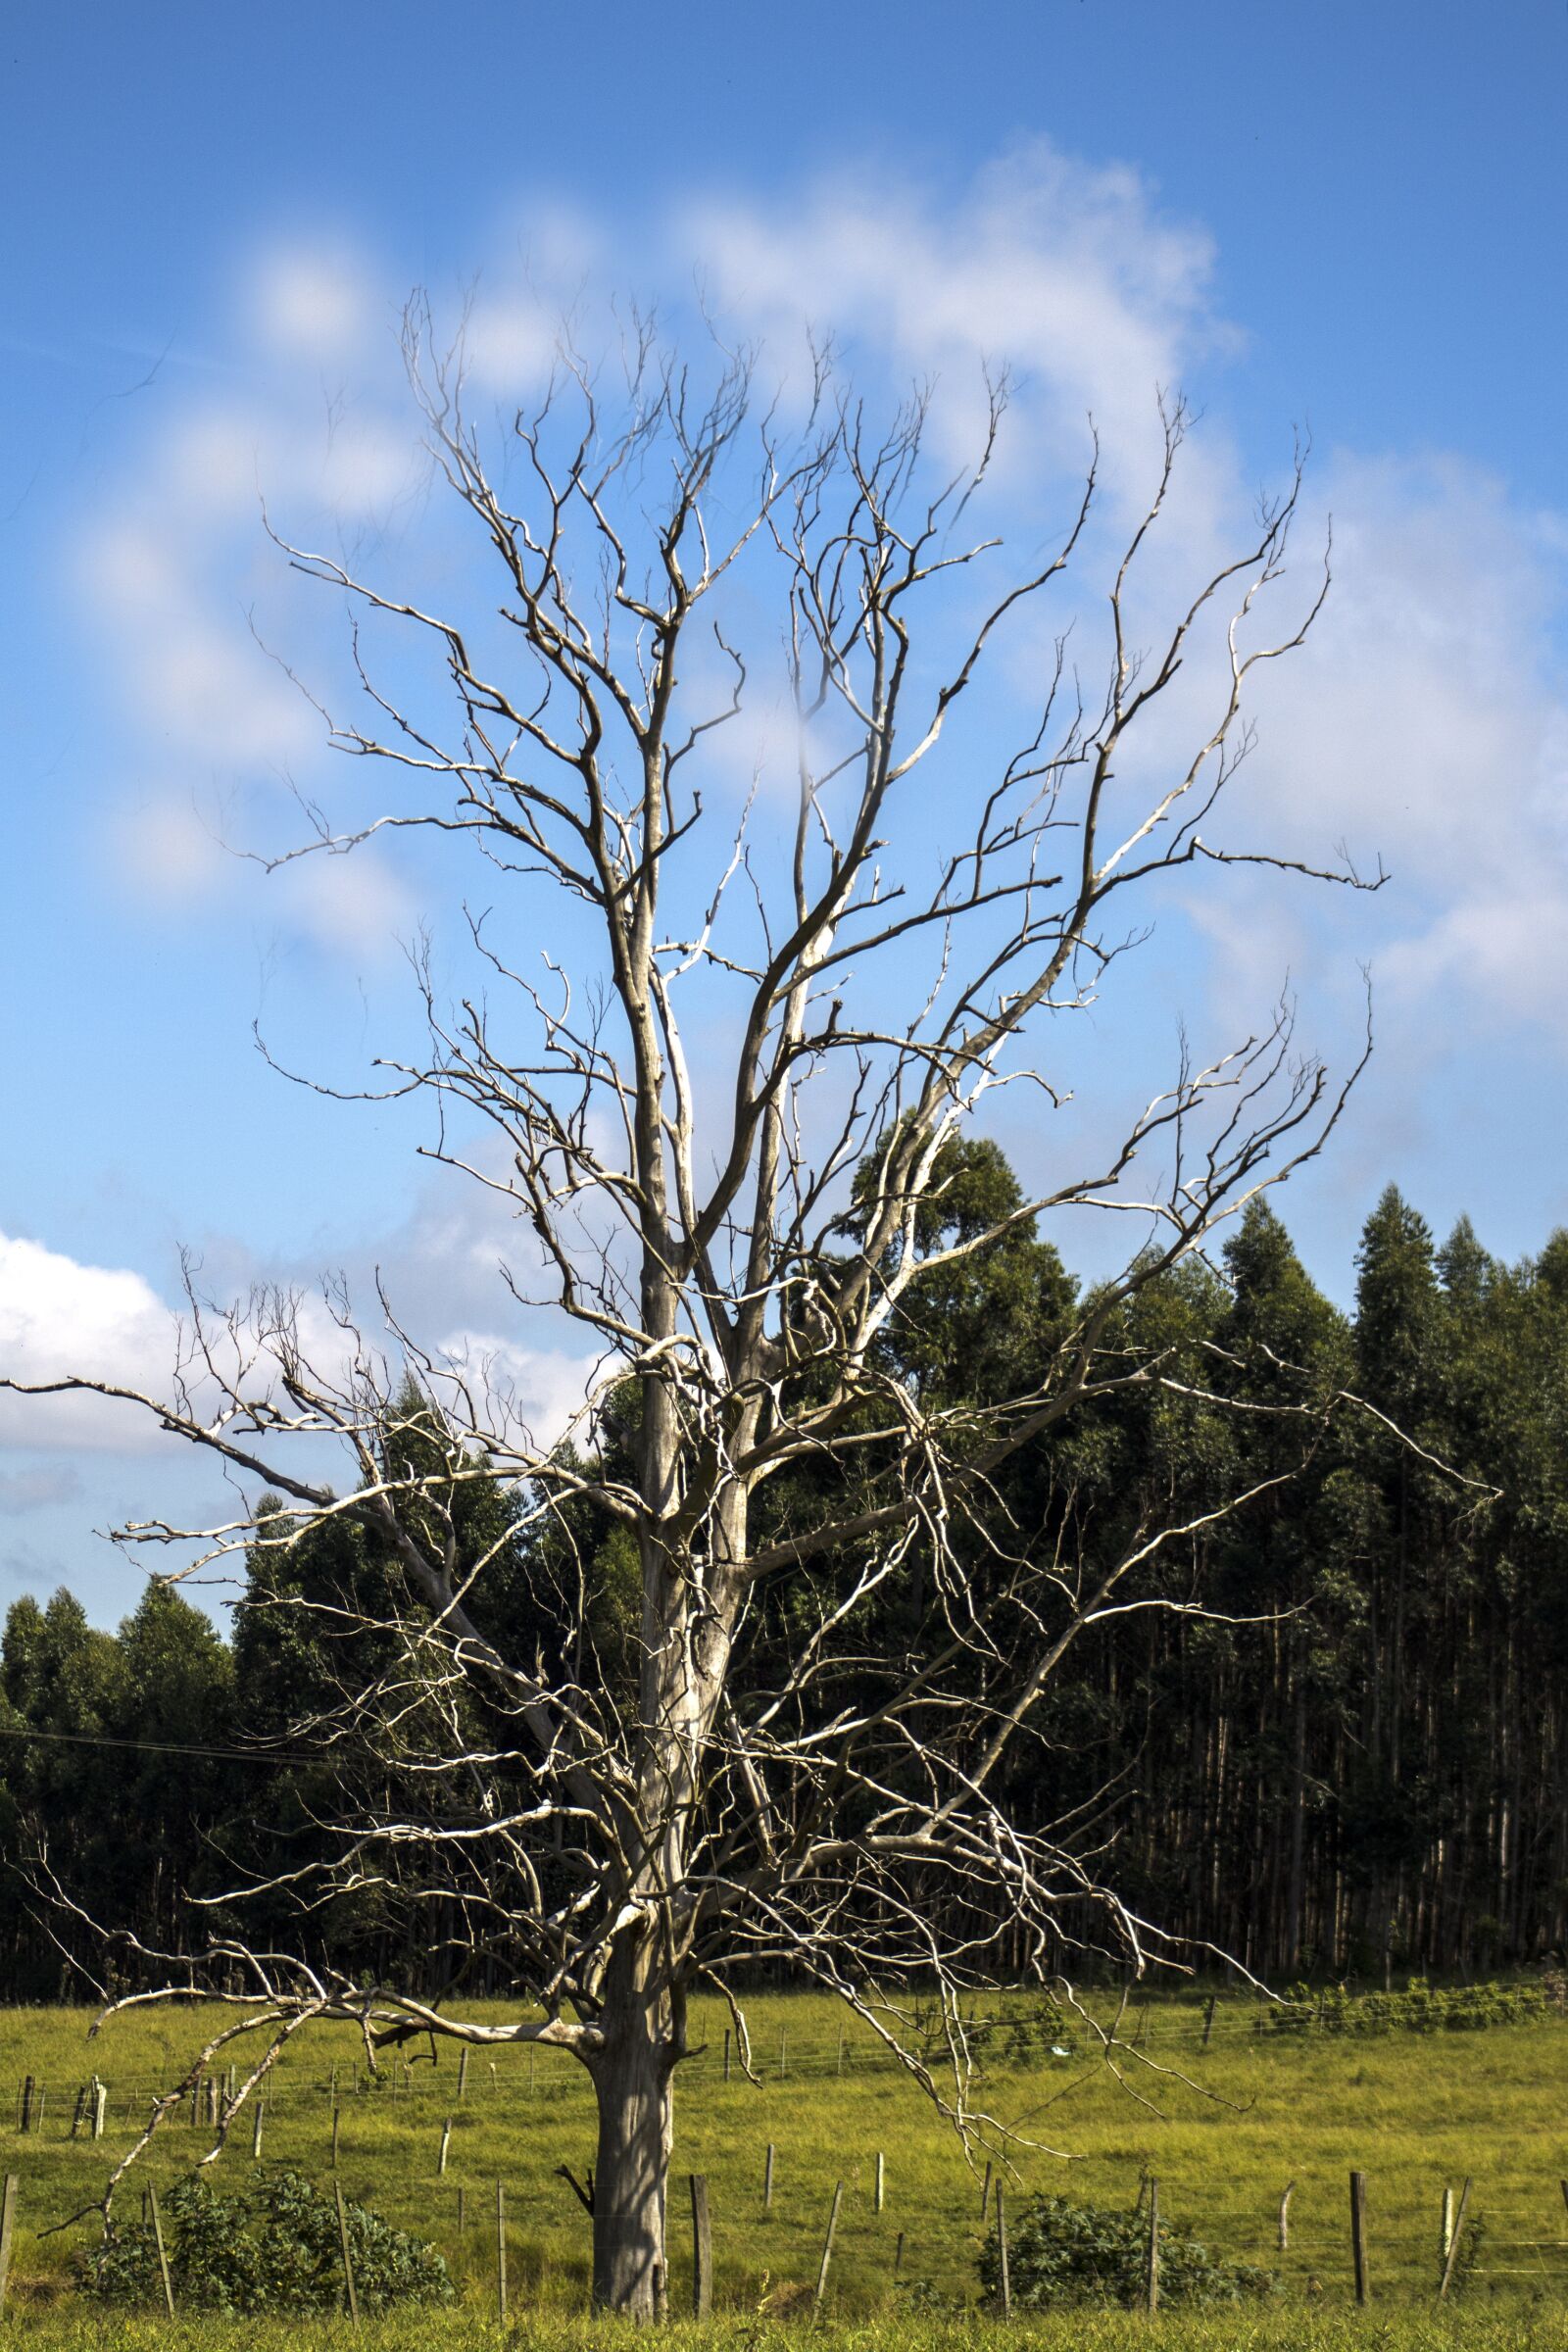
1425	724
60	1318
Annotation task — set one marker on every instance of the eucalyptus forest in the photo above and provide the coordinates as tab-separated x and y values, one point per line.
1345	1758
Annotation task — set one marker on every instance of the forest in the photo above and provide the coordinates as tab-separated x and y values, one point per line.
1332	1746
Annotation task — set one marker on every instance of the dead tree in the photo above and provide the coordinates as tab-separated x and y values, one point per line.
737	1224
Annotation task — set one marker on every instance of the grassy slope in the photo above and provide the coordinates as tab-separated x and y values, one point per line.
1413	2112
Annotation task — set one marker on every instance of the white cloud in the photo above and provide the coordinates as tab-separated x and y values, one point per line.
1421	722
351	903
59	1318
311	302
539	1391
165	847
1424	723
1071	276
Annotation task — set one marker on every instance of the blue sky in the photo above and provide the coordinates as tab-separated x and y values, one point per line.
1345	217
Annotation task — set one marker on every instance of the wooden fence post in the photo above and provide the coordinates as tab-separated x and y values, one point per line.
898	2257
462	2221
827	2246
337	2118
446	2142
701	2249
1445	2226
1285	2218
1152	2260
985	2193
1001	2252
767	2175
8	2225
1450	2258
881	2181
256	2132
1208	2018
348	2259
501	2250
157	2242
462	2071
1358	2236
100	2107
27	2103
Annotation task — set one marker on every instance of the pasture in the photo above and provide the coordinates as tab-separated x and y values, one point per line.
1227	2128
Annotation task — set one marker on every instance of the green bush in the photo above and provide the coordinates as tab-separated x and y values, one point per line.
273	2247
1062	2253
1420	2008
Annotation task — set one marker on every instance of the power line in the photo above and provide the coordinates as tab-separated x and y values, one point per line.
172	1747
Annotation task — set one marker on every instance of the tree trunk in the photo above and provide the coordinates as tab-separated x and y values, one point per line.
632	2081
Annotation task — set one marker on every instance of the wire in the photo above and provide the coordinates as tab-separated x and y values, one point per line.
170	1748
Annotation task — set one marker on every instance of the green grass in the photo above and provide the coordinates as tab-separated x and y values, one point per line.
1413	2112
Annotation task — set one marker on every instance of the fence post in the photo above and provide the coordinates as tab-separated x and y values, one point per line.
1358	2236
348	2259
337	2118
898	2257
881	2179
701	2249
462	2221
158	2241
8	2225
501	2250
100	2107
1451	2259
462	2071
1445	2227
1151	2261
767	2175
27	2103
1285	2217
446	2142
1002	2251
827	2246
1208	2018
985	2193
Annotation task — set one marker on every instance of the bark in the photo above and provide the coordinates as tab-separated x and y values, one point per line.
632	2077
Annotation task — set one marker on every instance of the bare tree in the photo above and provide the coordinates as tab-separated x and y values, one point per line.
737	1225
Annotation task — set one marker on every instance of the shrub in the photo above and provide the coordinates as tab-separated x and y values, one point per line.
1062	2253
271	2247
1421	2008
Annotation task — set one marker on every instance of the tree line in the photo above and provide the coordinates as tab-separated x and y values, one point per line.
1333	1744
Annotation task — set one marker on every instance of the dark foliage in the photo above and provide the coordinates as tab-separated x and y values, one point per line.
1059	2253
271	2247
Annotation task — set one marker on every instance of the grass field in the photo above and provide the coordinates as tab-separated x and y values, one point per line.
1414	2112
